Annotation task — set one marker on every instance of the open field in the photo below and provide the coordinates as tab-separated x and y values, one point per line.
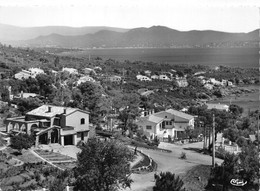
233	57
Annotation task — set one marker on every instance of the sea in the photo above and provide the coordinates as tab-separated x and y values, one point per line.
232	57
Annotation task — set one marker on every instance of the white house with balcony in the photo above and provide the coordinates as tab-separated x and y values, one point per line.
162	124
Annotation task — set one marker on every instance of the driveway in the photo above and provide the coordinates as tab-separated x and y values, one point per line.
170	162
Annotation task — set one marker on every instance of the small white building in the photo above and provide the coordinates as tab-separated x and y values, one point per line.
229	83
147	72
143	78
164	77
115	79
209	86
36	71
182	81
155	77
24	74
70	70
84	79
89	71
217	106
215	82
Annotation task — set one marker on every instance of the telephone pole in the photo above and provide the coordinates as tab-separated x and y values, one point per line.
213	142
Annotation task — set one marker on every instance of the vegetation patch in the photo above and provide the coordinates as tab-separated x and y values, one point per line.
197	177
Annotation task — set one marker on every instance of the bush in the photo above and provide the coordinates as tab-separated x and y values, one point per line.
167	181
183	155
22	141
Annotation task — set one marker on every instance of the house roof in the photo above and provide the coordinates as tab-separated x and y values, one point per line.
180	114
177	113
154	119
55	110
151	118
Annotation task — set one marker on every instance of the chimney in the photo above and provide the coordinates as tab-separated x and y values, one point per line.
49	108
64	111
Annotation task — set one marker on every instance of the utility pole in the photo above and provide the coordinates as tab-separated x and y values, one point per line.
213	142
258	135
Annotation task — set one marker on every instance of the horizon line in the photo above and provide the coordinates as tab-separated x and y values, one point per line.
40	26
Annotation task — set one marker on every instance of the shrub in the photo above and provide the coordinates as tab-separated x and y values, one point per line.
167	181
183	155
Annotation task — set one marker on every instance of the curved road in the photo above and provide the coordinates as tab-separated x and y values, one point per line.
170	162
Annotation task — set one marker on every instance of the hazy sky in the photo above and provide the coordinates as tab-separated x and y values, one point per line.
222	15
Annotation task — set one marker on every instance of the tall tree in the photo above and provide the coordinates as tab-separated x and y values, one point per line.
128	106
103	165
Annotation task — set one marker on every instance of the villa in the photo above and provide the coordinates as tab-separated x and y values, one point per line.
166	123
143	78
53	124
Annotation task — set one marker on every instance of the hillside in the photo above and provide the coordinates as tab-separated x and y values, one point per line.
153	37
9	33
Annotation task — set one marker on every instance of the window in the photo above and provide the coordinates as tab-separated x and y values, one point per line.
170	123
165	116
82	136
166	123
148	127
82	121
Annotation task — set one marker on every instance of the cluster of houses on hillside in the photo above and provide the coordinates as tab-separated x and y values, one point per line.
166	76
86	75
68	126
30	73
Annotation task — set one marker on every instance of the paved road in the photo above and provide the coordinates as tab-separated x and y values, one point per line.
170	162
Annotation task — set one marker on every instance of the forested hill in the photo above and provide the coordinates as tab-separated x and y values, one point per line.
153	37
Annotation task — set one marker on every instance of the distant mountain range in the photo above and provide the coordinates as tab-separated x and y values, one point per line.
14	33
109	37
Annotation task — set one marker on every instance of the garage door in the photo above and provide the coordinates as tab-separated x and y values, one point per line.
68	140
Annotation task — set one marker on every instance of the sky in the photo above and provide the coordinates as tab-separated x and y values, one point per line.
183	15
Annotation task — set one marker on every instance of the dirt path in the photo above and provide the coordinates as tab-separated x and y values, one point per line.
170	162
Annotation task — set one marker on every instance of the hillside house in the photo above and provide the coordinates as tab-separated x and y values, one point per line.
70	70
209	86
215	82
147	72
115	79
182	81
229	83
155	77
164	77
217	106
24	74
36	71
145	92
53	124
84	79
143	78
166	123
88	71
